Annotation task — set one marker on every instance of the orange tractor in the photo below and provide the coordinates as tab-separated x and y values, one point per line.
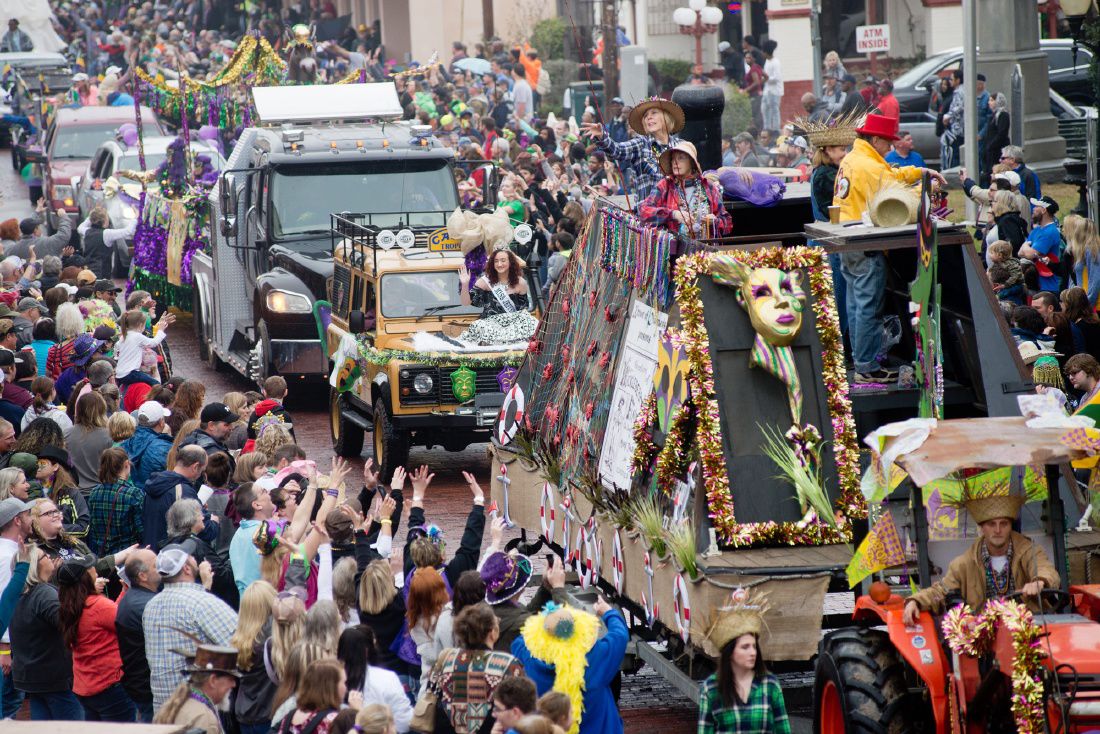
880	676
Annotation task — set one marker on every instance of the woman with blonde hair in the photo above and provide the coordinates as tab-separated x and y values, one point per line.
89	438
1008	224
255	688
286	696
382	609
375	718
287	614
13	483
251	467
271	438
1083	246
121	426
238	403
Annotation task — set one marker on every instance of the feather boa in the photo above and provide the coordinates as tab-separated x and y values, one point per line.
567	656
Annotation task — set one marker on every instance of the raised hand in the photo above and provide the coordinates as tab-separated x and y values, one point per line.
387	507
475	488
398	481
370	476
420	481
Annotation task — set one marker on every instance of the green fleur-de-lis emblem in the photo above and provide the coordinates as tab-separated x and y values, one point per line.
463	384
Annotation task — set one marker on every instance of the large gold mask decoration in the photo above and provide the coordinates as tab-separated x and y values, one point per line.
774	301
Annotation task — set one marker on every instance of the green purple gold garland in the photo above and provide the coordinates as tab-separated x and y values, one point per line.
970	634
378	357
708	432
672	458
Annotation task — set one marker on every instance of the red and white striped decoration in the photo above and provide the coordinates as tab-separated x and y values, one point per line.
681	607
652	609
547	513
617	562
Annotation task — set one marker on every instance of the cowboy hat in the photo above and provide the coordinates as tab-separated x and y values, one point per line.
505	576
665	105
214	659
685	147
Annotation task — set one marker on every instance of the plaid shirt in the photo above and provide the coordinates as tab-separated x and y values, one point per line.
764	713
115	517
637	158
173	620
669	197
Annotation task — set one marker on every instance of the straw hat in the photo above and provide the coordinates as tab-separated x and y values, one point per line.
665	161
983	509
894	205
666	105
743	614
834	131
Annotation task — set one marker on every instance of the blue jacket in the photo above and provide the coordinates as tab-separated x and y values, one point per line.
601	715
160	493
12	592
148	452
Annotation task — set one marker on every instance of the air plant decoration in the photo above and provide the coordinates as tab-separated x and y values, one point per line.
798	456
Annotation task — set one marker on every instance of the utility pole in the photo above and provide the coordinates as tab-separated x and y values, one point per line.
970	83
610	49
487	20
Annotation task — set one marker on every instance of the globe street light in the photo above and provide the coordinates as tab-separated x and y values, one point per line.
698	19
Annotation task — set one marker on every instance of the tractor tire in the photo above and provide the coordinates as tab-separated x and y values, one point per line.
391	444
860	686
347	438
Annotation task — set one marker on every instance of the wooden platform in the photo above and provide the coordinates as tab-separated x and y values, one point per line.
856	236
778	561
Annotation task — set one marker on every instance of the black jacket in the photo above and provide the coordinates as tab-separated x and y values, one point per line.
40	660
1012	228
224	586
387	625
131	643
252	698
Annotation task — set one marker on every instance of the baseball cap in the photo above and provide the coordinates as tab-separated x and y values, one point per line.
11	507
29	302
217	412
80	77
723	46
616	100
798	141
8	358
85	277
28	225
104	284
151	413
27	462
113	70
1011	177
848	78
173	557
1045	203
74	568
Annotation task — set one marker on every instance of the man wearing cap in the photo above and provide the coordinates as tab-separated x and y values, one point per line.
887	102
15	527
181	614
30	230
617	126
143	583
999	563
832	96
164	488
107	291
903	153
195	703
149	446
733	61
15	40
28	311
862	173
14	400
215	423
83	91
1044	245
853	104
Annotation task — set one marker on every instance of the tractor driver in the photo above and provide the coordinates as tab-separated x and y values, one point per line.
999	563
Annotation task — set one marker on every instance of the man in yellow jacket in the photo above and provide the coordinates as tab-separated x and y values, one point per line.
862	173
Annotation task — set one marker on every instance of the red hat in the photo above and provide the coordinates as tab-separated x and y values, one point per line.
882	126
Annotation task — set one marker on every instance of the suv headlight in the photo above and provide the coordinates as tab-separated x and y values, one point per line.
64	193
287	302
423	383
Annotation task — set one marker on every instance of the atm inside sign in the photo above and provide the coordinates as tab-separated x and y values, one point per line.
872	39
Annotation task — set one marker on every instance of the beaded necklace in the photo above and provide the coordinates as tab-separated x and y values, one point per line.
197	695
997	584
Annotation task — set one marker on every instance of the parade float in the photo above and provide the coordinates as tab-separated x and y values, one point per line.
681	427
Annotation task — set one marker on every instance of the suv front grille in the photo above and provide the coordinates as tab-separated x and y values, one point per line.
486	382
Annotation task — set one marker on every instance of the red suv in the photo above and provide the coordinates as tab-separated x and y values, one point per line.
73	138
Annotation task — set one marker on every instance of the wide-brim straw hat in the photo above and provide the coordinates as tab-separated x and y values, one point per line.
665	161
1030	352
666	105
834	131
990	508
744	615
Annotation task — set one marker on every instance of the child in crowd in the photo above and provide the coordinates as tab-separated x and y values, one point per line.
561	247
685	202
1005	288
133	341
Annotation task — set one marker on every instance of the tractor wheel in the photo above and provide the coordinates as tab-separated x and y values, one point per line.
860	686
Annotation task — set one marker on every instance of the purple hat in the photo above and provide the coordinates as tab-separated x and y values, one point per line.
505	576
84	347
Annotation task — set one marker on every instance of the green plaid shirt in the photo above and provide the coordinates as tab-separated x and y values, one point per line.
764	713
116	520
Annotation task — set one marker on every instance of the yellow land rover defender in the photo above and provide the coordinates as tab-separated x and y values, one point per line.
396	318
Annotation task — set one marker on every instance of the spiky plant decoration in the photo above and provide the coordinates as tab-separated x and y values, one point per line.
801	467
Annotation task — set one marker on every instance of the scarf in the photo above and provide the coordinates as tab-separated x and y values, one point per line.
567	655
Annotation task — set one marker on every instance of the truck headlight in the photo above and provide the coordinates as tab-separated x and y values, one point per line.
423	383
287	302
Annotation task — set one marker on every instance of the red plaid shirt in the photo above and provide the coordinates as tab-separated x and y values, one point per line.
658	208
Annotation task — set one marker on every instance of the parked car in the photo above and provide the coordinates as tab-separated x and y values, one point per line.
922	124
913	88
100	183
70	142
25	79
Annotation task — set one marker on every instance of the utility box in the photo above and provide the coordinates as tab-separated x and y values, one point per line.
633	74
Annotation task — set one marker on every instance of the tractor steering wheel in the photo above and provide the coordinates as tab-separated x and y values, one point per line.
1055	599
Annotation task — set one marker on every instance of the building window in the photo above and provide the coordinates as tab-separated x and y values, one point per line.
659	16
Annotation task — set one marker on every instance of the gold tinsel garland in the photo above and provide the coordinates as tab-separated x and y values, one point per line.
708	429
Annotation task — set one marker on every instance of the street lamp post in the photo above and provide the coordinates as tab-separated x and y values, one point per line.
698	19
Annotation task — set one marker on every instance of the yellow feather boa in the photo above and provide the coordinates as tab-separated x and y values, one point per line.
568	656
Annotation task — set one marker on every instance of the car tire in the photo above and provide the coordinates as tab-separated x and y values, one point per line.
347	437
391	444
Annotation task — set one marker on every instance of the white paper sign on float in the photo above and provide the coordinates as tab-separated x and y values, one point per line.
872	39
633	384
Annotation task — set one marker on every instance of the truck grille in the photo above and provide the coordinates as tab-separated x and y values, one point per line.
486	382
340	289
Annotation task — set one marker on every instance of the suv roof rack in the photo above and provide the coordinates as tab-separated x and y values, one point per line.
363	235
322	103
